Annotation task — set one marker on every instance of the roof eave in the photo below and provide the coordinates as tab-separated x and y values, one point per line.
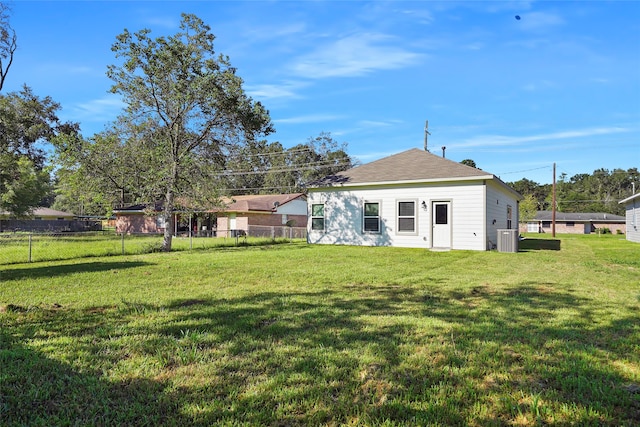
405	182
628	199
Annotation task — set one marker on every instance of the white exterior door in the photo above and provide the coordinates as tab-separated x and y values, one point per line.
441	237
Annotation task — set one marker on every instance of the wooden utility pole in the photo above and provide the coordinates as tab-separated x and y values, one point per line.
426	134
553	204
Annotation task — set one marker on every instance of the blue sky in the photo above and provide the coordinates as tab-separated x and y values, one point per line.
561	84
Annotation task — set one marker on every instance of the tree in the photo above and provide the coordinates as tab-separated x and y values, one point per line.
27	122
469	162
528	208
95	175
8	43
260	167
540	192
26	190
186	110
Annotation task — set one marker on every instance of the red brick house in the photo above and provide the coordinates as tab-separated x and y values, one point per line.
253	215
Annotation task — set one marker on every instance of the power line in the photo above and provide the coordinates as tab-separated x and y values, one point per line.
525	170
231	172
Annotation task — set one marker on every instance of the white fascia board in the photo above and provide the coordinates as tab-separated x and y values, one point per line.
407	182
628	199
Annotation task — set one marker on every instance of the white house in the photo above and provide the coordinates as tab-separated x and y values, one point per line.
411	199
632	205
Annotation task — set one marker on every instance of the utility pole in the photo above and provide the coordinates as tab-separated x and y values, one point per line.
426	134
553	204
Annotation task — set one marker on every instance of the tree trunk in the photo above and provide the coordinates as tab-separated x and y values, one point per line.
168	221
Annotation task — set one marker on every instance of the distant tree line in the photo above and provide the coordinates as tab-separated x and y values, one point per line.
599	191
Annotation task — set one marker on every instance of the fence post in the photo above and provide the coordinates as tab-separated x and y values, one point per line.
30	235
123	243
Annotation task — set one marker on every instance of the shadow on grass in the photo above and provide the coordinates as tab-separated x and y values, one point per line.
38	390
539	244
363	357
29	271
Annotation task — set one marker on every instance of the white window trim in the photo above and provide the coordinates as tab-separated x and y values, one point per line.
379	217
413	232
324	218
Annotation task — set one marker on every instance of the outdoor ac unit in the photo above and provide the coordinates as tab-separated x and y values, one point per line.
507	240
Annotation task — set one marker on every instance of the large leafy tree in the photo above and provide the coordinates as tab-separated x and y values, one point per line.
8	43
27	124
270	168
96	174
186	111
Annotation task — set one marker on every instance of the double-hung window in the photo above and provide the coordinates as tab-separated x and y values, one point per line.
371	217
406	216
317	216
509	217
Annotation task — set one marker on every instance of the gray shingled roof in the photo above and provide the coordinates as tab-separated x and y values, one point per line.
579	216
411	165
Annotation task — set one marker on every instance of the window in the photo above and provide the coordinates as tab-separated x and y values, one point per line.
509	217
406	217
441	213
371	217
317	217
160	222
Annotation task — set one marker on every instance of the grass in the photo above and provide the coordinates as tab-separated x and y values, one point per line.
19	248
325	335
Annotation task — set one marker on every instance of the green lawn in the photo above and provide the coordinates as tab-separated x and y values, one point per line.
292	334
25	247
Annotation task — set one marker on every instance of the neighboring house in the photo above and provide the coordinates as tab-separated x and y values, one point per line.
412	199
264	210
139	219
632	217
47	220
44	214
240	215
574	223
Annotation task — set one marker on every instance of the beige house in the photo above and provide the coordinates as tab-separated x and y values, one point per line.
45	214
256	214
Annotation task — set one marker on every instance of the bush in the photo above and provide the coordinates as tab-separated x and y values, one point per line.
603	230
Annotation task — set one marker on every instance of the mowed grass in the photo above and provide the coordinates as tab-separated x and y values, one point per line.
18	248
294	334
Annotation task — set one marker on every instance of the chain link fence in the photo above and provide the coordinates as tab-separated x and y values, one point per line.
34	247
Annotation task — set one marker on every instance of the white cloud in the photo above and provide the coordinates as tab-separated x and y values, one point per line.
273	91
311	118
97	110
354	55
501	140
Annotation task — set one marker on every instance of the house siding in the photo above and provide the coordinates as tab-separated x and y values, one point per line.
497	202
344	217
632	215
137	223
